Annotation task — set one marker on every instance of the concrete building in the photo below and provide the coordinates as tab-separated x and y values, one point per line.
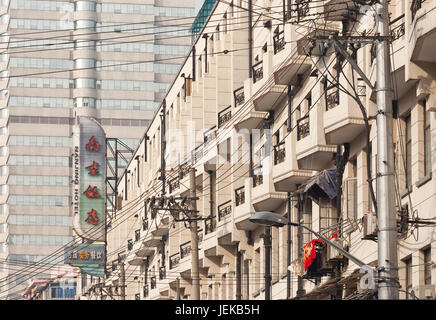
111	60
60	286
261	117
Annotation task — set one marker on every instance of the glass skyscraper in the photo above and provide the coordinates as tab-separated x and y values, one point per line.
111	60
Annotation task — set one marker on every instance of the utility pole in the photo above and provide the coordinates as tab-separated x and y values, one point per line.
267	244
300	290
387	231
195	275
122	281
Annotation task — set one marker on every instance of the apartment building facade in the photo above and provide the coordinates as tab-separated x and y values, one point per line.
110	60
264	118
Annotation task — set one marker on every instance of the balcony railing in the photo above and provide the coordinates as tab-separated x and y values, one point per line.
239	96
145	291
185	249
332	99
197	153
257	176
302	8
209	226
416	5
399	30
121	256
173	184
162	273
224	209
303	127
114	264
174	260
209	135
279	42
184	170
153	282
129	244
224	116
240	196
144	224
257	71
137	235
279	153
200	235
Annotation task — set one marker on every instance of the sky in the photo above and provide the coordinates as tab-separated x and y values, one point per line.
198	4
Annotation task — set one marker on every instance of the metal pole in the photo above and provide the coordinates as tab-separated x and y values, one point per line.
289	250
238	274
178	289
267	245
300	290
194	238
163	146
250	38
387	231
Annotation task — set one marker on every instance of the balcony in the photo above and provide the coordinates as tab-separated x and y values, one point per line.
161	227
279	153
243	208
343	119
173	185
337	10
137	235
286	173
162	273
209	226
257	70
257	176
279	42
209	135
224	116
268	99
239	96
250	119
312	151
264	195
174	260
224	210
288	65
185	249
153	282
422	31
152	241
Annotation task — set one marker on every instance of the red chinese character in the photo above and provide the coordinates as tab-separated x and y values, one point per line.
93	169
92	192
92	145
92	217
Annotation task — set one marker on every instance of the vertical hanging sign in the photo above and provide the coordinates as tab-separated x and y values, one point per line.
89	179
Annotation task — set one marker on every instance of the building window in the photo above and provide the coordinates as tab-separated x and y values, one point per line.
427	265
427	142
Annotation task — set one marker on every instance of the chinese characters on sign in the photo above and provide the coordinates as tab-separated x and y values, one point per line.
92	193
85	254
89	184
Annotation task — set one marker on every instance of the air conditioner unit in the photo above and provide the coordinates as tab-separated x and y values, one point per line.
425	292
332	253
369	222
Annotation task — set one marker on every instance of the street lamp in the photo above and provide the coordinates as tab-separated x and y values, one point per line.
272	219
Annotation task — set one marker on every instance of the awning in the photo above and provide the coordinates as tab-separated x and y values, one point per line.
322	185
